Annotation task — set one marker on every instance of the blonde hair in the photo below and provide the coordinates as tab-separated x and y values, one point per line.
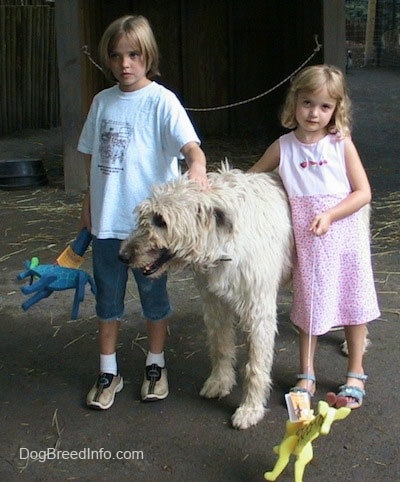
311	79
138	31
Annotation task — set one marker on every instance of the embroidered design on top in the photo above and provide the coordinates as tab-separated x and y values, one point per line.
310	163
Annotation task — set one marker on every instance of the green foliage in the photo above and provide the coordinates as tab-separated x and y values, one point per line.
356	9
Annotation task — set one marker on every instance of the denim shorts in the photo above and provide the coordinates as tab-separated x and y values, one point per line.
111	275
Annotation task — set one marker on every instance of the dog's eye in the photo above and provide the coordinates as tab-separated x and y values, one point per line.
158	221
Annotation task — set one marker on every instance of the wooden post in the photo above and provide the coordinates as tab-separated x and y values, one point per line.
369	54
334	40
70	60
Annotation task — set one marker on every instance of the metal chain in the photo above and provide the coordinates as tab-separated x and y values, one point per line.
86	51
235	104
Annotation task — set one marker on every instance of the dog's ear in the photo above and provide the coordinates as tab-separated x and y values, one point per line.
222	220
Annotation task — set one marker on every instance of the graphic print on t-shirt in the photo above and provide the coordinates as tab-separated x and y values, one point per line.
114	140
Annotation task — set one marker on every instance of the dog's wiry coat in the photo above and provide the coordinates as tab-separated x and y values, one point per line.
237	238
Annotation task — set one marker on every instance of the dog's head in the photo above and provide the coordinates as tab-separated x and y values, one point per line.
181	224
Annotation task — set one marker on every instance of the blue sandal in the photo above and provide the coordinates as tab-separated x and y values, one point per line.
304	376
349	391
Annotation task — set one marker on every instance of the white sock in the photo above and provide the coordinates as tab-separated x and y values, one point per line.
108	363
157	358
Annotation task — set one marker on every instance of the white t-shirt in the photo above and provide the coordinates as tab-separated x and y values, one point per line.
134	139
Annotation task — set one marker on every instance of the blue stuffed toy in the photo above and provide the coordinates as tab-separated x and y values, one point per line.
51	278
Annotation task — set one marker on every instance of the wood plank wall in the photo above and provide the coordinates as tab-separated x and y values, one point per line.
212	53
218	52
29	95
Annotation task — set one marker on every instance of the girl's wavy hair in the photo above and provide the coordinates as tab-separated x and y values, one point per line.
138	31
311	79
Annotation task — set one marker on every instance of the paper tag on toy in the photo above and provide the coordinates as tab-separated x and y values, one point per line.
299	406
69	259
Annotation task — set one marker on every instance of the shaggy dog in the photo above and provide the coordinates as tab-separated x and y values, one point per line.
237	238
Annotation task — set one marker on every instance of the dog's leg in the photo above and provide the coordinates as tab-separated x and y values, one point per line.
221	337
257	376
367	344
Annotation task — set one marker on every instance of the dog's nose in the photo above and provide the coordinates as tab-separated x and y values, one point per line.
124	257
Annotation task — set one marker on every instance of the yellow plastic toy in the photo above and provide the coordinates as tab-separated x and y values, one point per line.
298	439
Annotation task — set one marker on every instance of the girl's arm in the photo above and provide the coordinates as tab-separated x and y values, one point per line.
196	162
85	221
269	160
359	197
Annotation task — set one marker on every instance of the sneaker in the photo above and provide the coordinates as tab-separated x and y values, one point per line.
155	384
103	391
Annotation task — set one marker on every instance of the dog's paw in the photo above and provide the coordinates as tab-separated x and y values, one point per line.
214	388
247	417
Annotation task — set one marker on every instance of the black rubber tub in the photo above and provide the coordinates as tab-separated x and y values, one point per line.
22	173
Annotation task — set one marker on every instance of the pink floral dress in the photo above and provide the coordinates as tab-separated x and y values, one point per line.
333	281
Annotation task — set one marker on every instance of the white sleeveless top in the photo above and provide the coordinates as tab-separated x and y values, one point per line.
313	169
